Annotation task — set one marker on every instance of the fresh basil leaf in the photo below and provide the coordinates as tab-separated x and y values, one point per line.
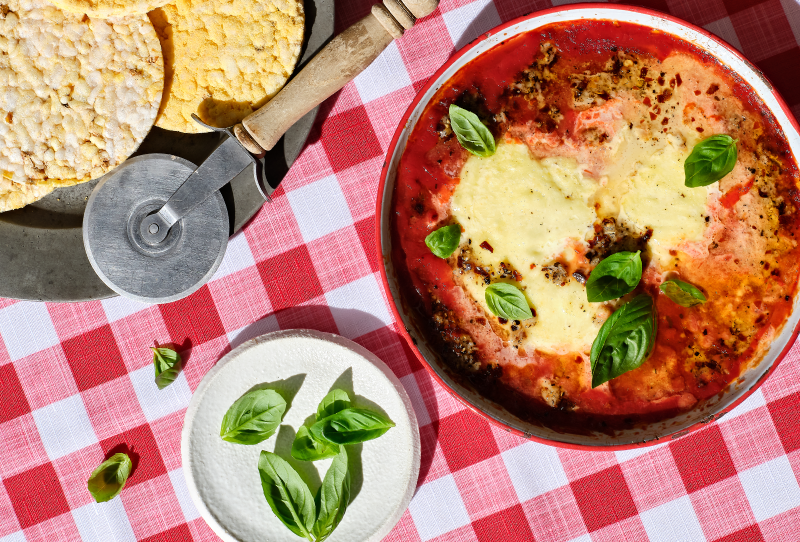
471	133
168	365
253	417
624	341
307	448
710	160
507	301
682	293
107	480
332	403
444	241
333	497
614	277
351	426
287	494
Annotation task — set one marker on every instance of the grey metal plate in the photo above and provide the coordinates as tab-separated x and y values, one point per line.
41	246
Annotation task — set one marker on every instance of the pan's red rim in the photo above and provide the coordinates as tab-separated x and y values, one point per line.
379	221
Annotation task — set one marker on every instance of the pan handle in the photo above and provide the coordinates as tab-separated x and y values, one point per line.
347	55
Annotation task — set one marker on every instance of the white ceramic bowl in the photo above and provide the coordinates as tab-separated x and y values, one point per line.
707	411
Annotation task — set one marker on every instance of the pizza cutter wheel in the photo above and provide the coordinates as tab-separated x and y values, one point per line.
156	228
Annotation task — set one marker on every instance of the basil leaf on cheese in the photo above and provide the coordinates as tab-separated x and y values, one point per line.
682	293
624	341
507	301
332	403
614	277
307	448
710	160
287	494
333	497
444	241
351	426
107	480
471	133
253	417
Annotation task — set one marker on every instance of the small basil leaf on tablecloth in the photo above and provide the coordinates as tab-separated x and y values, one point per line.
471	133
444	241
682	293
167	363
287	494
333	497
307	448
614	277
710	160
332	403
507	301
351	426
624	341
107	480
253	417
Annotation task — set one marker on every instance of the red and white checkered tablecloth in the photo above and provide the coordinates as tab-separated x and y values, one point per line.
76	380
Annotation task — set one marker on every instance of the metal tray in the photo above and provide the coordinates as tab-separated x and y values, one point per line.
41	245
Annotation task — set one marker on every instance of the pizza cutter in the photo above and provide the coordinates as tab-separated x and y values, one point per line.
156	228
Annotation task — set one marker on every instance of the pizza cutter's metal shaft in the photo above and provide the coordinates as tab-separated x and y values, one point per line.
225	163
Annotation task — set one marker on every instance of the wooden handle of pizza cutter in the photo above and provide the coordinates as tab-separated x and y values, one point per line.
347	55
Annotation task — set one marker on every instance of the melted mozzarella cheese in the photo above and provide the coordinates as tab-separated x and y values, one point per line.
531	211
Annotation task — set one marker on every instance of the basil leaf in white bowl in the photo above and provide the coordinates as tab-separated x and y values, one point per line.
507	301
287	494
471	133
624	341
710	160
444	241
254	417
614	277
305	447
333	497
682	293
351	426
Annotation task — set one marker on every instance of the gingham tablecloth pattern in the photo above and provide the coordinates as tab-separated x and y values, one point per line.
76	380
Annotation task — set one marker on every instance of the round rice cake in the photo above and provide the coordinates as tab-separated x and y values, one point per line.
224	58
77	96
105	9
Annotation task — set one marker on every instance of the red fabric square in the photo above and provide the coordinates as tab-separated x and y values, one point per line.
36	495
73	472
385	114
21	447
603	498
8	518
466	439
578	464
386	344
365	229
142	499
439	401
555	516
432	464
61	529
71	319
313	165
94	357
141	446
181	533
167	432
508	524
194	318
349	139
749	534
136	333
14	402
486	489
751	438
784	80
422	62
781	528
303	286
629	530
699	13
462	534
722	508
240	298
46	377
404	531
702	458
344	248
785	414
113	407
763	30
653	479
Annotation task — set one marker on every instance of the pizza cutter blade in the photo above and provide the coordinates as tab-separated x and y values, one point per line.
156	228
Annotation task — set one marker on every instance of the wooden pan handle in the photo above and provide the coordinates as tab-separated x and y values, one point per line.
347	55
